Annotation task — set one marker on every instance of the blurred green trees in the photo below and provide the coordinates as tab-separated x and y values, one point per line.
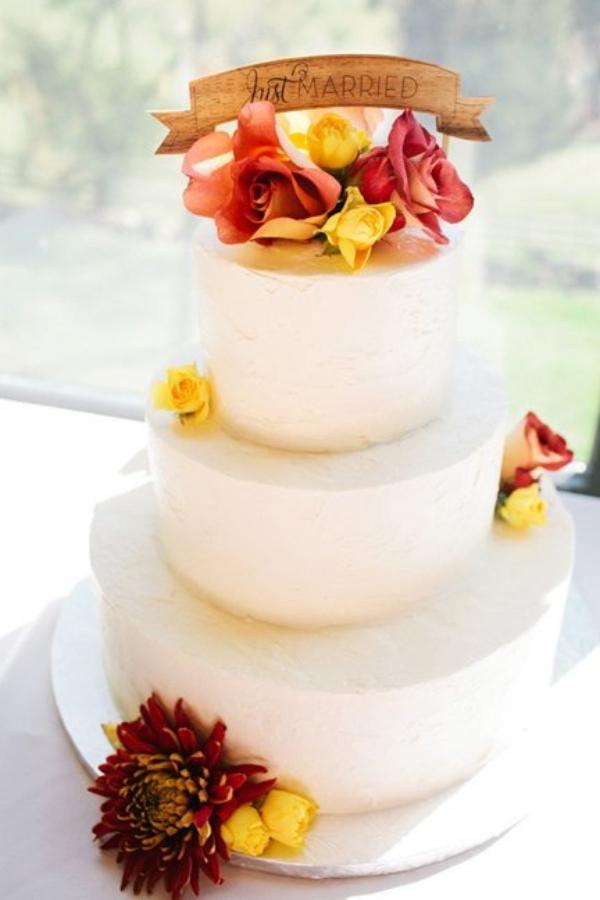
76	77
521	51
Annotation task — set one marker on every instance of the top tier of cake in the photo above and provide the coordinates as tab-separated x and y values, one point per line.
305	356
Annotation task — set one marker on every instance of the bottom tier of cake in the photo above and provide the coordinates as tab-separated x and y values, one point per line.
356	717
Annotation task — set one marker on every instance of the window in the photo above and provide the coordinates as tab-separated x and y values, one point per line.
94	243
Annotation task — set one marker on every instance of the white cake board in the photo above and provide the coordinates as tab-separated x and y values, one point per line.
395	840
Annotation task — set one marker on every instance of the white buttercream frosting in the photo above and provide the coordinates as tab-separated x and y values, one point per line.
314	539
304	355
357	717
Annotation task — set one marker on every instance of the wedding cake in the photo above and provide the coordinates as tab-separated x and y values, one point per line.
335	553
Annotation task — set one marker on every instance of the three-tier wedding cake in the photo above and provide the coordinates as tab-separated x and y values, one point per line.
315	559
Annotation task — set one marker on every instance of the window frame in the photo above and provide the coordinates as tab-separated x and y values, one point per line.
130	405
80	398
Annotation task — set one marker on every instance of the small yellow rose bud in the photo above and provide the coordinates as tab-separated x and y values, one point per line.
110	731
333	143
357	226
244	831
287	817
185	392
523	507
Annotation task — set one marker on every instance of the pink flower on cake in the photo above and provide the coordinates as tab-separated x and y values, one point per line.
531	447
256	184
366	118
414	173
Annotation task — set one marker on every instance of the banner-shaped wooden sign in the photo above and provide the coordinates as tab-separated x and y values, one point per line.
317	81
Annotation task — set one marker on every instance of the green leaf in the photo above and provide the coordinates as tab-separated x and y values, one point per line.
330	250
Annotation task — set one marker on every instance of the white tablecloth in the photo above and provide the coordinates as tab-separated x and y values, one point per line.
54	464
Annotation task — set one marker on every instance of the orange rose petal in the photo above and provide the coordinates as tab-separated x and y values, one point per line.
207	190
289	229
204	196
227	230
210	145
284	200
316	189
256	129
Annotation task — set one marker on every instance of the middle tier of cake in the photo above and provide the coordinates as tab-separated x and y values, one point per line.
316	539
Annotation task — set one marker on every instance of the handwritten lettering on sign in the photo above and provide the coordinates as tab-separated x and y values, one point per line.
300	84
318	81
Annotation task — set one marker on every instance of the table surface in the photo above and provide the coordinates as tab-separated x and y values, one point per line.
56	464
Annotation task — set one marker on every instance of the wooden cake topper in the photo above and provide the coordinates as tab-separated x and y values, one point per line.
316	81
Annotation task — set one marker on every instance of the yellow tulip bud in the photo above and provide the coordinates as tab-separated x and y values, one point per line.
357	226
185	392
287	817
244	831
333	143
523	507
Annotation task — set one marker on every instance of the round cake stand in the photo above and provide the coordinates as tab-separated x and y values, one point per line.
394	840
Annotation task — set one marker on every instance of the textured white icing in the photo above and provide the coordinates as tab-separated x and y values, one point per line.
314	539
362	717
305	355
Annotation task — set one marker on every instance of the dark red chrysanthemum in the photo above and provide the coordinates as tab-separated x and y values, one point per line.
167	793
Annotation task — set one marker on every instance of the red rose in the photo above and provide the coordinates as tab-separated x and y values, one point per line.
257	184
377	180
415	174
530	447
522	479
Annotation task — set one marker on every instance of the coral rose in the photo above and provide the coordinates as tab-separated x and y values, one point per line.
366	118
414	173
256	184
531	446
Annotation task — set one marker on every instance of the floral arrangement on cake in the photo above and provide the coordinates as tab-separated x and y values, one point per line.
326	181
173	806
531	448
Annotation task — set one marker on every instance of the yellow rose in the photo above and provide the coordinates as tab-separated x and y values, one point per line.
523	507
357	226
333	143
245	832
287	817
185	392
